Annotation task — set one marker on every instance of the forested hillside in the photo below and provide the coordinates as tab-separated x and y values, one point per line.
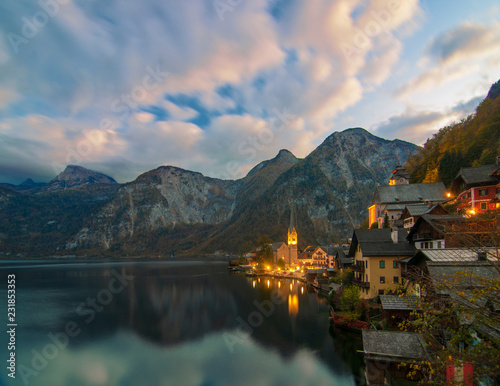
474	141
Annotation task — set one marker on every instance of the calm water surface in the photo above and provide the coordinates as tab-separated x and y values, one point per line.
169	323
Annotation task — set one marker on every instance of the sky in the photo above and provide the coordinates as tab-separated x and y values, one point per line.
217	86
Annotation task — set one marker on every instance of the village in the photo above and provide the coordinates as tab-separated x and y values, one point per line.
421	283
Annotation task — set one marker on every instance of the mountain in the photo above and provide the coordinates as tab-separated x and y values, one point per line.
331	189
172	209
76	176
474	141
26	185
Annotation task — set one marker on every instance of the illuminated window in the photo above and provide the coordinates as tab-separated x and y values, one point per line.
382	279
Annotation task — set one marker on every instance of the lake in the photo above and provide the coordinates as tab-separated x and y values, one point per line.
167	323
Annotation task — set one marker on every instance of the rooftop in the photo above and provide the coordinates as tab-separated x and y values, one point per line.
378	242
443	273
395	302
418	209
410	193
478	174
455	254
393	346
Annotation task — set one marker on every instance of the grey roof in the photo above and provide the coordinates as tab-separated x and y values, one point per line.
418	209
275	246
393	346
395	207
442	272
489	330
478	174
378	242
403	303
455	254
334	286
409	193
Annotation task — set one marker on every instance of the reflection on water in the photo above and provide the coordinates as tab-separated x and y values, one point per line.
168	323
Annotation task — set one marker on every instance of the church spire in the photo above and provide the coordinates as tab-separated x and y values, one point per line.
292	232
292	217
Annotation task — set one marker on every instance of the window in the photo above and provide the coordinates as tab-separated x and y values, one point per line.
382	279
483	192
366	263
396	279
394	264
483	205
431	245
382	264
421	245
381	292
439	245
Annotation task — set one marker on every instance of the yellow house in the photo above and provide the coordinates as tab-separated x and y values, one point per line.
376	254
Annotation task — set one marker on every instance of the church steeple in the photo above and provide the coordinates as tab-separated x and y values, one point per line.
399	176
292	232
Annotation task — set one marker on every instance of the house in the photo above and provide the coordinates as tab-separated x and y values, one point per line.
376	253
339	258
387	350
466	287
477	189
398	308
414	270
450	231
320	257
412	213
391	200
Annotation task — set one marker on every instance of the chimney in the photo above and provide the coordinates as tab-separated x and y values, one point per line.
394	235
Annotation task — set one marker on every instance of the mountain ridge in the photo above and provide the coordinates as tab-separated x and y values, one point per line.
170	208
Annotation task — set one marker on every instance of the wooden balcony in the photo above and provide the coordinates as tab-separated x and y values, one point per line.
362	284
358	267
421	236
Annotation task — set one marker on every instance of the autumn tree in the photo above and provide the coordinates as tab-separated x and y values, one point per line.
458	313
265	251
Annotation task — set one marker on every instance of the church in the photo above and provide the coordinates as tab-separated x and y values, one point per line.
287	251
390	200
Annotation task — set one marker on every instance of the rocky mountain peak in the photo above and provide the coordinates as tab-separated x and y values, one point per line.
287	155
75	176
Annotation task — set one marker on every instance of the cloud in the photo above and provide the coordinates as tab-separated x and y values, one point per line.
464	41
466	49
126	359
178	113
131	63
417	125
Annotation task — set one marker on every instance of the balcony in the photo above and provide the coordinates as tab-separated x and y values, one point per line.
421	236
359	267
362	284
